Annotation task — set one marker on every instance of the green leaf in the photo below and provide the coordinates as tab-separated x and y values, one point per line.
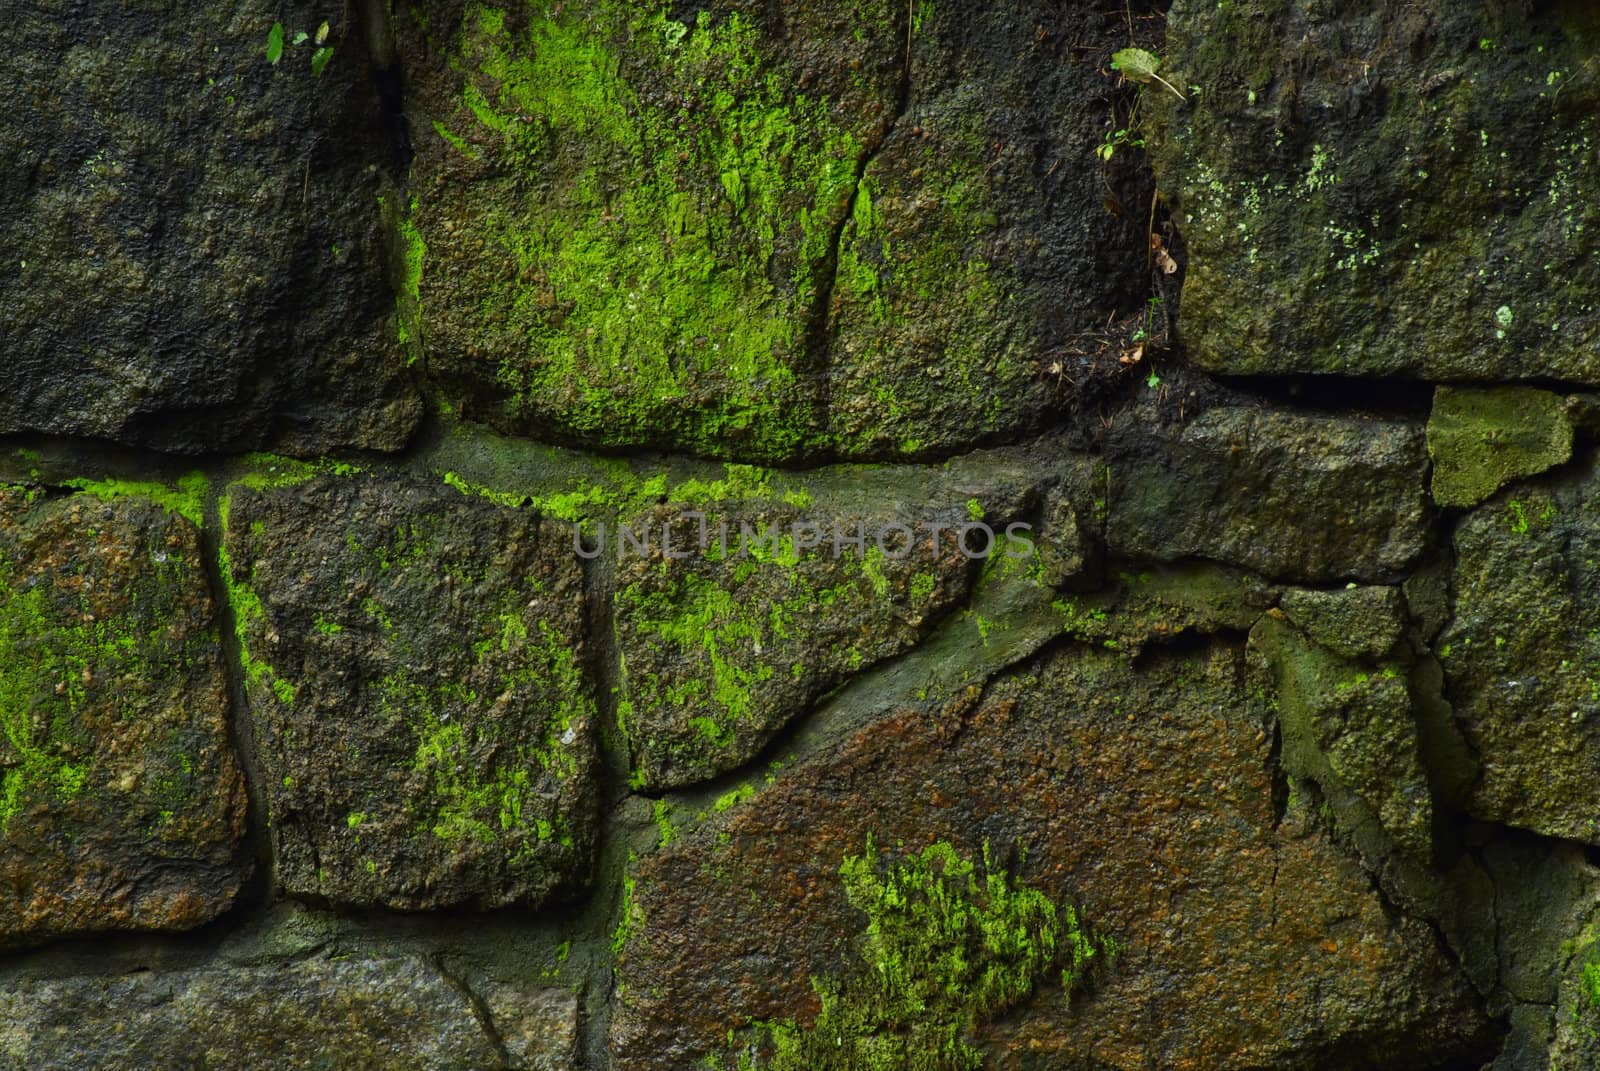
275	43
1136	64
319	59
301	38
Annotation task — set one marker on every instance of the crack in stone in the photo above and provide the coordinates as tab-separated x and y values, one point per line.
818	345
480	1011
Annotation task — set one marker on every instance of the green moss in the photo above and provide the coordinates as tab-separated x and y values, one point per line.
687	236
729	800
41	697
246	609
409	299
630	917
187	499
624	494
64	646
949	944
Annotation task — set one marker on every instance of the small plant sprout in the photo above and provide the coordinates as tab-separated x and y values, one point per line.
1137	65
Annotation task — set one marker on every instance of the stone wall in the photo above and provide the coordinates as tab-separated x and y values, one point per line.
492	557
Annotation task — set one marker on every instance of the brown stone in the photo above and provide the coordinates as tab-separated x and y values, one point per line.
121	803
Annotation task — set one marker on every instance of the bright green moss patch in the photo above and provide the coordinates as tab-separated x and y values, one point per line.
949	944
644	296
187	499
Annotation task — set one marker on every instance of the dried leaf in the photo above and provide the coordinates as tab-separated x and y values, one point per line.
1165	261
1133	356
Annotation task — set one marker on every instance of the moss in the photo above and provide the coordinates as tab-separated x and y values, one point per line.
187	499
409	299
630	916
699	622
66	645
949	944
686	236
41	695
623	493
246	609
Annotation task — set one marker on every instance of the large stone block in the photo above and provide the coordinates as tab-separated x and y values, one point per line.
194	245
354	1013
1289	495
1230	933
761	231
121	804
416	672
724	646
1404	189
1520	653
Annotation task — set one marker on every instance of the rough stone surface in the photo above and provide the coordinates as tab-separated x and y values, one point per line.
1398	190
1351	722
539	1030
1355	622
1520	653
357	1013
750	231
416	674
121	804
719	651
1246	938
194	248
1287	495
1481	440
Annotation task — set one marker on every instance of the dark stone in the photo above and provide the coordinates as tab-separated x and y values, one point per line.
415	666
121	804
720	650
1400	190
1520	653
1350	724
1287	495
194	249
1354	622
1144	797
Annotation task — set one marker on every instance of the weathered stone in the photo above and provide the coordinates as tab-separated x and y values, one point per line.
1481	440
720	649
1069	545
1161	603
1520	653
361	1013
537	1029
194	249
760	232
121	804
415	667
1287	495
1145	797
1352	723
1396	191
1354	622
